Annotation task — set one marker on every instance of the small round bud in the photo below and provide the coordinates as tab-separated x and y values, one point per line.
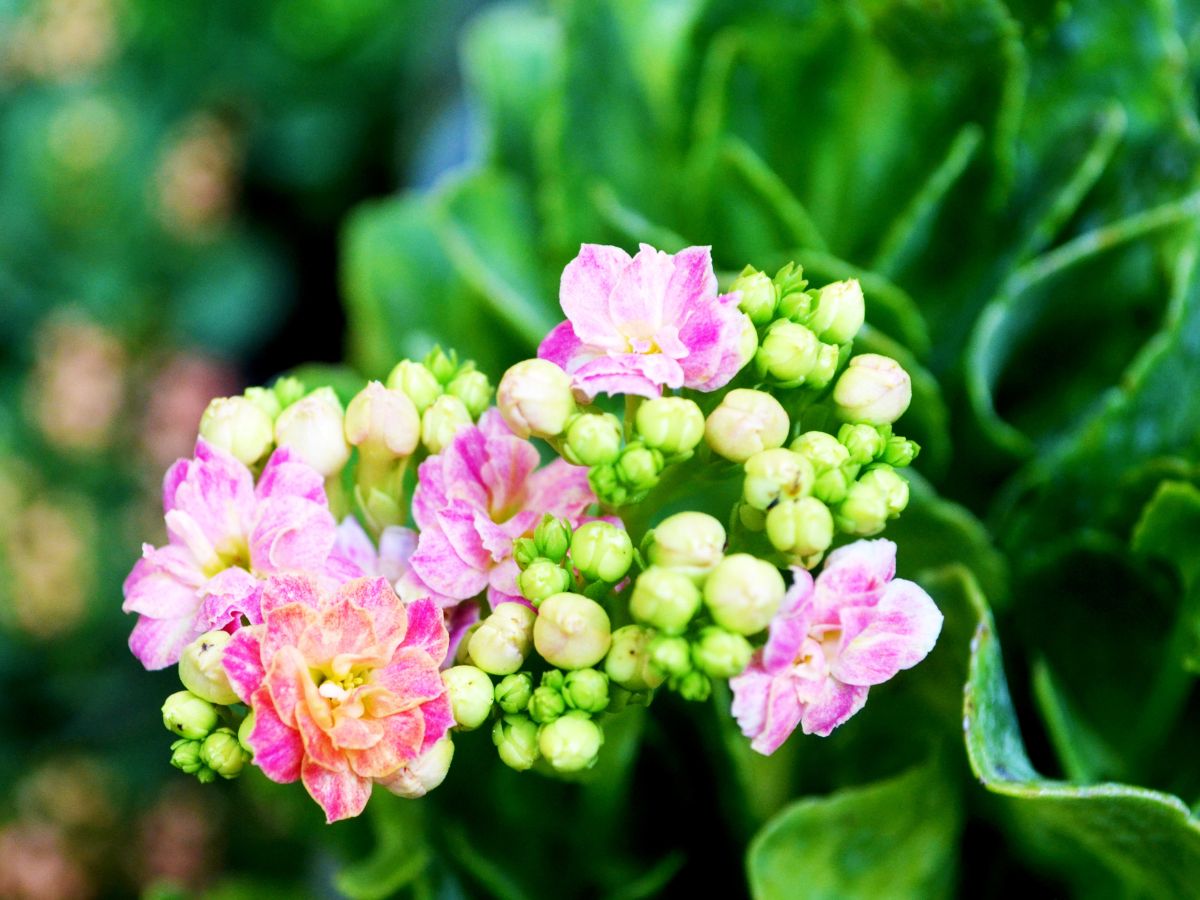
864	512
892	486
244	730
471	695
314	428
514	692
593	439
546	705
639	466
462	656
552	538
775	474
607	486
874	390
268	401
423	774
383	422
441	364
189	716
442	421
473	389
535	398
788	353
501	643
222	753
823	370
664	599
747	343
516	739
287	391
671	425
586	690
201	671
554	679
417	382
542	578
238	426
832	485
862	442
571	743
759	297
525	552
571	631
673	655
839	311
628	662
688	542
601	551
801	527
746	422
900	451
743	593
695	686
752	519
720	653
822	450
795	306
185	756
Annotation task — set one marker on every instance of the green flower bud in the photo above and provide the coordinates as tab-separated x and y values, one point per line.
514	692
795	306
546	705
571	631
628	662
746	422
874	390
900	451
542	578
423	774
759	296
743	593
828	357
607	486
864	512
752	519
671	425
831	487
694	686
801	527
189	716
442	421
201	671
892	486
720	653
862	442
839	311
747	343
552	538
571	743
775	474
787	354
664	599
593	439
267	400
501	643
383	422
688	542
586	690
244	730
601	551
672	655
462	656
535	399
417	382
471	695
554	679
288	391
314	428
516	739
222	753
238	426
473	389
185	756
525	552
638	467
822	450
441	365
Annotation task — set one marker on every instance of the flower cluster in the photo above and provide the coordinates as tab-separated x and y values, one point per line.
321	638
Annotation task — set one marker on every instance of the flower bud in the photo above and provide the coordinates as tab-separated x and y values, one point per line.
743	593
628	663
462	655
201	671
688	542
832	485
554	679
601	551
822	450
546	705
839	311
535	398
671	425
672	655
795	306
593	439
695	686
288	390
586	690
664	599
862	442
775	474
874	390
421	775
417	382
607	486
185	756
541	579
639	466
571	743
746	422
244	730
473	389
747	343
720	653
268	401
823	370
471	695
552	538
383	422
516	739
442	421
501	643
892	486
525	552
314	428
801	527
758	295
864	512
442	365
571	631
222	753
514	692
900	451
238	426
189	716
752	519
788	353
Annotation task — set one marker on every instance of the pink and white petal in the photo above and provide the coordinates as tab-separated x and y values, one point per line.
562	347
175	476
713	338
458	523
492	425
587	283
856	575
388	615
217	493
285	475
692	282
438	565
291	534
635	303
877	642
628	373
496	597
510	462
502	577
341	794
243	663
789	628
353	554
403	737
285	590
186	534
278	750
439	719
560	489
766	707
497	540
412	677
163	583
286	629
287	678
427	629
831	704
430	493
411	588
350	732
396	547
228	596
462	467
343	634
157	643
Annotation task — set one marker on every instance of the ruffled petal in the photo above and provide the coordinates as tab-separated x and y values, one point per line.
427	629
285	475
242	661
587	283
442	569
342	794
164	584
228	596
291	534
157	643
635	304
278	750
877	642
641	374
831	704
790	625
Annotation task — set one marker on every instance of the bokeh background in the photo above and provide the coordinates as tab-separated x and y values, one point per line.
196	196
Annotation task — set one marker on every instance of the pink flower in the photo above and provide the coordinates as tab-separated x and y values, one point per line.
226	535
830	641
344	686
636	325
479	495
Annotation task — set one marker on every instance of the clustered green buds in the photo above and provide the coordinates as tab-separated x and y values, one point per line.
691	543
474	390
601	551
223	754
743	593
516	740
513	692
759	295
592	439
628	663
189	716
542	578
416	382
442	421
671	425
571	743
664	599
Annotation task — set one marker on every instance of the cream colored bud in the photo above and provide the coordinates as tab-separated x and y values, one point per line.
743	593
238	426
442	421
874	390
746	422
420	776
201	670
383	422
688	542
314	428
535	398
502	640
571	631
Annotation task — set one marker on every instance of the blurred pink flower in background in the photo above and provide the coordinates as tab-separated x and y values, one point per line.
178	394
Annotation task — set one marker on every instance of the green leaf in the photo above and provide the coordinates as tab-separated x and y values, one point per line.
400	854
1169	527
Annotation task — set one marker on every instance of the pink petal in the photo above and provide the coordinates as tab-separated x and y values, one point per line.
635	303
163	583
692	282
228	596
411	678
285	590
396	547
712	334
217	493
510	460
790	626
503	577
342	794
457	523
562	347
353	554
877	642
430	493
377	598
560	489
242	661
458	620
439	719
587	283
765	706
497	596
403	737
291	534
285	475
427	629
157	643
442	569
641	374
278	750
831	704
855	575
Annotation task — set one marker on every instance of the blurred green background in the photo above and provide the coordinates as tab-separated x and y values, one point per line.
195	196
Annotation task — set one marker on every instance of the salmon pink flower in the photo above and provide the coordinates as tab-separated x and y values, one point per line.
344	686
635	325
831	640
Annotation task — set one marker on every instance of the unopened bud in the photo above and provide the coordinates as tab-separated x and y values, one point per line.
839	311
601	551
222	753
288	390
832	485
801	527
776	474
571	743
571	631
823	370
743	593
892	486
607	486
516	740
747	343
695	686
746	422
795	306
462	655
189	716
628	662
586	690
244	730
383	422
417	383
441	364
525	552
471	695
593	439
267	400
672	655
672	425
501	643
535	398
542	578
822	450
473	389
442	421
664	599
758	295
552	538
787	354
874	390
639	466
900	451
421	775
185	756
862	442
238	426
514	692
546	705
864	512
720	653
201	671
688	542
314	428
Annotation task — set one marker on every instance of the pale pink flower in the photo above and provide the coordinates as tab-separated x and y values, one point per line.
344	686
636	325
227	534
479	495
830	641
